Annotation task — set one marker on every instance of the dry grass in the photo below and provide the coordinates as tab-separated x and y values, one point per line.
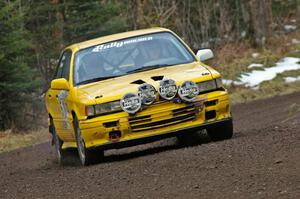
10	140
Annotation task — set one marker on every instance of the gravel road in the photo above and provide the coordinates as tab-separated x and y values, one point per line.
262	160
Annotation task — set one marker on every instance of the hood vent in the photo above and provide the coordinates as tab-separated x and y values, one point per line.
157	78
139	81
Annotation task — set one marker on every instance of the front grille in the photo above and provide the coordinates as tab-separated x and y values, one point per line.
171	117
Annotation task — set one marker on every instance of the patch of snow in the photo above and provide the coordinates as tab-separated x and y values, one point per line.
255	66
291	79
290	28
214	39
204	44
227	81
255	55
295	41
238	83
243	34
254	78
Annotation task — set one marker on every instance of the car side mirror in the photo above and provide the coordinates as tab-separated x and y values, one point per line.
205	54
60	84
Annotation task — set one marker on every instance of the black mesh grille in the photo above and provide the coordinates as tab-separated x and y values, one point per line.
176	116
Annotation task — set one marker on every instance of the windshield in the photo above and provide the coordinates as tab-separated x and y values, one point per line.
129	55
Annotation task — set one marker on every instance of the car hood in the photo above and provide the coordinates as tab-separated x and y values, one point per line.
115	88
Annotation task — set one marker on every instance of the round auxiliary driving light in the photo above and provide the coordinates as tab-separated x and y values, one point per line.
147	93
131	103
167	89
188	91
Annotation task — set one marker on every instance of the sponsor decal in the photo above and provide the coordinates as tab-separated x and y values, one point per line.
119	44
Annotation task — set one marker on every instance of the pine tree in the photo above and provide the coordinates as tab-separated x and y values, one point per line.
16	78
86	19
56	23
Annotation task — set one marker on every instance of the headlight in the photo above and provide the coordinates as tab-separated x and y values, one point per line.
107	107
131	103
188	91
103	108
210	85
147	93
207	86
167	89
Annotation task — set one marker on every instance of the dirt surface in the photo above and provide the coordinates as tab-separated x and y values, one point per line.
262	160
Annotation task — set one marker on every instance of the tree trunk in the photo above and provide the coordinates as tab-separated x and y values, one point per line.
261	20
225	19
298	13
58	28
140	14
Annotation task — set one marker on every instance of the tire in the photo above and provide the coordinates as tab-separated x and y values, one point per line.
86	156
222	131
61	154
191	138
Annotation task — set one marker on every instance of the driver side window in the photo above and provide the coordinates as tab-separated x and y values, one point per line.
63	68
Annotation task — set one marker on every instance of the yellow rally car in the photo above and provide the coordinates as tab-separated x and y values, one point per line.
131	88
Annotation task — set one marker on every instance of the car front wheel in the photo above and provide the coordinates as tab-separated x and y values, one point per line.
86	156
221	131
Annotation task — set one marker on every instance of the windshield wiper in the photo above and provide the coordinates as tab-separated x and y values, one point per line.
96	79
144	68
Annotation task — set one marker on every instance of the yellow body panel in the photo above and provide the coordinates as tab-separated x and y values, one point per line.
162	114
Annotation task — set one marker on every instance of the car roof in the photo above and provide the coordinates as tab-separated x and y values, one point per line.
108	38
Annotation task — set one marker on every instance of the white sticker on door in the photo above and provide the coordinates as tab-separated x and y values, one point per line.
64	109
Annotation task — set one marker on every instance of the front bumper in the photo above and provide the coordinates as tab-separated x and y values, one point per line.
148	139
160	120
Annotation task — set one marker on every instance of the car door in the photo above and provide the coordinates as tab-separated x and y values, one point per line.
58	100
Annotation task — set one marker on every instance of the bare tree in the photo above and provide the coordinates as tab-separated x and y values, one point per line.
261	19
298	12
